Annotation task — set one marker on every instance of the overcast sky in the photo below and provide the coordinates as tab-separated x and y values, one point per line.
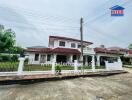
34	20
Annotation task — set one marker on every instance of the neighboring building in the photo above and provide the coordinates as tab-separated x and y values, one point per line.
126	54
106	54
128	58
60	49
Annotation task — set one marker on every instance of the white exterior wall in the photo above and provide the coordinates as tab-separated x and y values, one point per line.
67	44
56	43
32	59
115	65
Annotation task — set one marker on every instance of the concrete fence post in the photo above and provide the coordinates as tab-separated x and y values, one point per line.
75	66
106	65
21	66
53	67
93	63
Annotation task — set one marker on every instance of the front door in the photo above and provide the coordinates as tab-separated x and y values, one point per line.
61	58
43	59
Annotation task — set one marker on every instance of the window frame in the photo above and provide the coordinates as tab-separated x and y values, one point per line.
36	58
49	57
73	46
62	42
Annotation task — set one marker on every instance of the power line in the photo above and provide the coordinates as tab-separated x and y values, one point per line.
16	24
58	25
107	35
35	13
47	18
102	15
96	18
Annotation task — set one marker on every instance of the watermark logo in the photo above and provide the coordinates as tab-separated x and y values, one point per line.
117	11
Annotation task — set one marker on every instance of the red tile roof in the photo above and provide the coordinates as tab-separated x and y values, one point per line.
117	49
66	38
105	50
66	51
39	50
130	51
55	50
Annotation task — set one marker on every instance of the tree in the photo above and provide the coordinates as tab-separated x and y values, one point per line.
16	50
7	38
130	46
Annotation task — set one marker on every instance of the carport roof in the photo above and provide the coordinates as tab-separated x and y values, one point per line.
106	51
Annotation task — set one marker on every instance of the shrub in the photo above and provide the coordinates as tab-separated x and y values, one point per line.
7	57
14	58
58	69
26	60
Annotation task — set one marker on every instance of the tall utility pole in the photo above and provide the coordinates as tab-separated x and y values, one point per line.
81	36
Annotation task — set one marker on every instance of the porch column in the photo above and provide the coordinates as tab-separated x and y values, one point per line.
98	60
93	63
46	58
86	60
54	57
71	58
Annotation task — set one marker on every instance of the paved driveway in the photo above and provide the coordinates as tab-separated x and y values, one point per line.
117	87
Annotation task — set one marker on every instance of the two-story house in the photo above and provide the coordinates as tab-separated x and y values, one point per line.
60	49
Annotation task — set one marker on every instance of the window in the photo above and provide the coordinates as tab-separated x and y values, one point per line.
74	58
48	57
62	43
73	45
36	57
79	46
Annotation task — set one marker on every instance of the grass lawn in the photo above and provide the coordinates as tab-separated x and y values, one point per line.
13	66
36	68
9	66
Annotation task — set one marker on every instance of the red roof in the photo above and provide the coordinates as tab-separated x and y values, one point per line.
117	49
130	51
105	50
39	50
55	50
66	38
66	51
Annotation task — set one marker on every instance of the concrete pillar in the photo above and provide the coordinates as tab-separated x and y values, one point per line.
71	58
54	57
46	58
86	60
119	59
98	60
93	63
53	64
21	66
75	66
53	67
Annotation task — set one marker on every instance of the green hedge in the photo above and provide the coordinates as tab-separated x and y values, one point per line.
7	57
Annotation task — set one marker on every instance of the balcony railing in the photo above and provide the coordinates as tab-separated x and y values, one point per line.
88	50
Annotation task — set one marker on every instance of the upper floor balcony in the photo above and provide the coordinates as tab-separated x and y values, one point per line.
87	51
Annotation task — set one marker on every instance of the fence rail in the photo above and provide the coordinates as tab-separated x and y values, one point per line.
49	68
40	67
8	66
